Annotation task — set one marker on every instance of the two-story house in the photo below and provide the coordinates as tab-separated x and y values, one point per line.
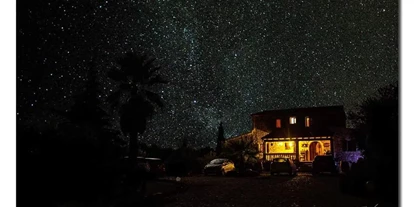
299	133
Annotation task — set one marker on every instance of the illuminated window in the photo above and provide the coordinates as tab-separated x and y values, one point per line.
278	123
307	121
288	146
292	120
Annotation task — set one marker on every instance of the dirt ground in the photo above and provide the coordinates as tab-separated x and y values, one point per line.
302	190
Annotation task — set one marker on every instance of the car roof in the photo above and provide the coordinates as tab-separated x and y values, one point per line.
146	158
279	159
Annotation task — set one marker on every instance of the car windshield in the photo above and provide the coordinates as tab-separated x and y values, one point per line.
279	160
217	161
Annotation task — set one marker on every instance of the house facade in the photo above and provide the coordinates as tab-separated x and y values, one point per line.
302	133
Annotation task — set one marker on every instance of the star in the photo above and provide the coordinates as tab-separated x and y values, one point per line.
223	61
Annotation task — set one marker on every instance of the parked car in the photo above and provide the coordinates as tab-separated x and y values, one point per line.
152	167
283	165
219	166
155	166
324	163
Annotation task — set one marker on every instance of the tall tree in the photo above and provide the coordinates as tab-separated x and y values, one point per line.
86	108
136	76
220	139
87	115
377	121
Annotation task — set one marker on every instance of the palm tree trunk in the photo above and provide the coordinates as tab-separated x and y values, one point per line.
132	176
133	147
242	166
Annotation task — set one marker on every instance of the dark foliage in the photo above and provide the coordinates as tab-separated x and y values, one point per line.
244	152
76	160
181	160
55	166
220	139
377	125
135	77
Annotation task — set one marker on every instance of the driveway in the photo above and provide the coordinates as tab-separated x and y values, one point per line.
303	190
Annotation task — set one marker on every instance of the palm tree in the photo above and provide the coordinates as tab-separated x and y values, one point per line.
241	151
135	77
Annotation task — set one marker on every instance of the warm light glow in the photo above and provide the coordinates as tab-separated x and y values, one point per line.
278	123
307	121
309	149
281	147
292	120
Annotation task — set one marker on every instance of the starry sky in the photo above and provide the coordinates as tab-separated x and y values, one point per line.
224	59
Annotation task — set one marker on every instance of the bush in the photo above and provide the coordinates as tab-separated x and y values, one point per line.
266	165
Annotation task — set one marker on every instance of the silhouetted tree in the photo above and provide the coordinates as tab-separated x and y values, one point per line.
135	77
87	105
377	121
87	116
83	148
184	143
220	139
241	151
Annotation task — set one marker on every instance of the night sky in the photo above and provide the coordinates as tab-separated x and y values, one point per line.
224	60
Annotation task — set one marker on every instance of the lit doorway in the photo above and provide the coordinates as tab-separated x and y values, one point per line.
315	148
309	149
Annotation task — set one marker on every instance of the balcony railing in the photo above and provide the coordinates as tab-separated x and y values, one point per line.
271	156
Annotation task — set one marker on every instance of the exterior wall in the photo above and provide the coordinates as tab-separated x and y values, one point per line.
340	155
322	118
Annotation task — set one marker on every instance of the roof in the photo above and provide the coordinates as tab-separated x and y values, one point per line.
239	136
338	108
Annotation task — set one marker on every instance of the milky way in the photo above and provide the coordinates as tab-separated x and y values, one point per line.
224	60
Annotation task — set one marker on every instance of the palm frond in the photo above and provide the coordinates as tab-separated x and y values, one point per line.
148	65
131	64
125	86
155	98
153	70
113	99
117	75
141	106
134	114
156	80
